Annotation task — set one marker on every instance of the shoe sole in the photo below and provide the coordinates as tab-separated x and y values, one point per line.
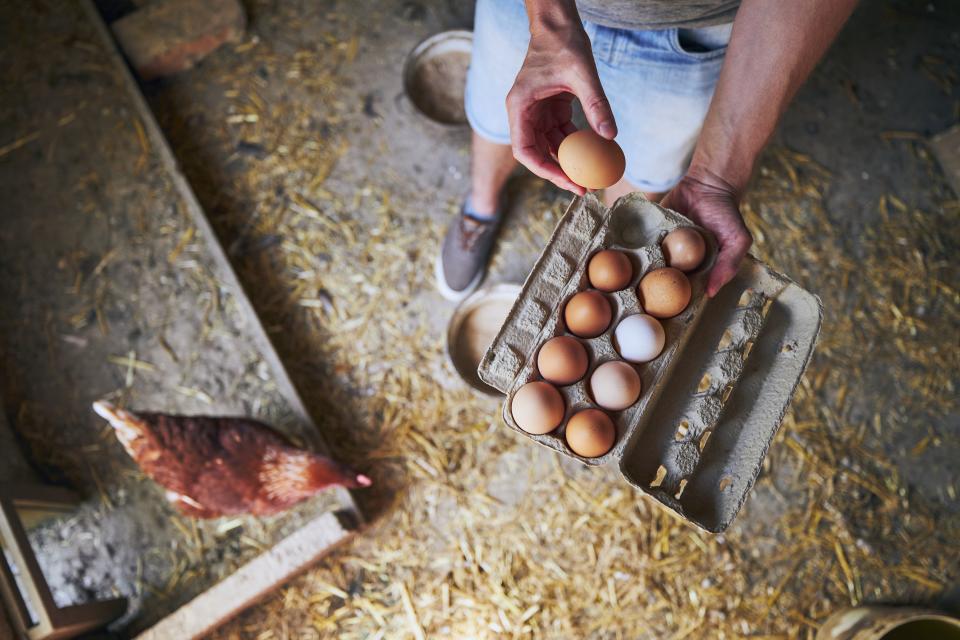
445	290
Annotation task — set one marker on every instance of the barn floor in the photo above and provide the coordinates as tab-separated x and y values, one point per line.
332	197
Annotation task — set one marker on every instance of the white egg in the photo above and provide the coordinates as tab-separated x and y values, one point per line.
639	338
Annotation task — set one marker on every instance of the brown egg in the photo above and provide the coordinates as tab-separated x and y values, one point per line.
587	314
537	407
684	248
590	160
664	293
609	270
615	385
590	433
562	360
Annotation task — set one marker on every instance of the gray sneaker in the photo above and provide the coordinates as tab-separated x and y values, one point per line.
463	257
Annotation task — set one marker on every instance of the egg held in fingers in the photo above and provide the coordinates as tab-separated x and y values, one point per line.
590	160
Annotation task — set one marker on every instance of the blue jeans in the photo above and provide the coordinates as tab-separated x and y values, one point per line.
659	84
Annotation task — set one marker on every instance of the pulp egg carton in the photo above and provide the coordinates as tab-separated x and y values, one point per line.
711	402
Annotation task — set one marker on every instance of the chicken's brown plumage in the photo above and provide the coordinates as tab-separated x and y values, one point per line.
213	467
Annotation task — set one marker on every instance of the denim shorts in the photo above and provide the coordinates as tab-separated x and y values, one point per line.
659	84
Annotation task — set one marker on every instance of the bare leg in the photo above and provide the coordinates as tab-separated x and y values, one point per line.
491	165
622	188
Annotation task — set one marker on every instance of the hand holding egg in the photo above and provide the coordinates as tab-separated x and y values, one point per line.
539	103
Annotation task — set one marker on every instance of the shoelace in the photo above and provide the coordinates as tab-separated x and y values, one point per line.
471	231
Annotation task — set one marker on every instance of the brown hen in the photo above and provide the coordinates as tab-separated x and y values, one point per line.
213	467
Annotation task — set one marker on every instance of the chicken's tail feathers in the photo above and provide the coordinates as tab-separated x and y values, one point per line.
127	425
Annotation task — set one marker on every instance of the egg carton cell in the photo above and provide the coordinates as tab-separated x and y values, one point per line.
702	386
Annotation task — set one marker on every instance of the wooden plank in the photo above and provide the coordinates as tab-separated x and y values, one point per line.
15	542
255	579
13	609
13	469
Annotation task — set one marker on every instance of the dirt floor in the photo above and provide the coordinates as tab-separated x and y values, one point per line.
332	196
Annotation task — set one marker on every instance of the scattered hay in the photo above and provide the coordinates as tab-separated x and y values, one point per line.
488	536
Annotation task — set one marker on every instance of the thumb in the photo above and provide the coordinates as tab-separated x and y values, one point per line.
595	105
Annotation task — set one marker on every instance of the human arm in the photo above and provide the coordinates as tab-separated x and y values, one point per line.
558	66
773	48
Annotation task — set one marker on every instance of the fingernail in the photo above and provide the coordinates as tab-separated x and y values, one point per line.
607	130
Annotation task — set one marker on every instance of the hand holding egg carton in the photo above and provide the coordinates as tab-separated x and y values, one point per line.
598	343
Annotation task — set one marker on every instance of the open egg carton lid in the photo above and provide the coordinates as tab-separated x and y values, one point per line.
713	400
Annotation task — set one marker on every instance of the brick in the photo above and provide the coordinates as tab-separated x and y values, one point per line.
169	36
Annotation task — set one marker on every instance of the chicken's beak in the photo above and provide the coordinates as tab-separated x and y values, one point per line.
363	481
121	420
106	410
127	426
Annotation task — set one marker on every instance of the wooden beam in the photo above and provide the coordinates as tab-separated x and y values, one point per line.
254	580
